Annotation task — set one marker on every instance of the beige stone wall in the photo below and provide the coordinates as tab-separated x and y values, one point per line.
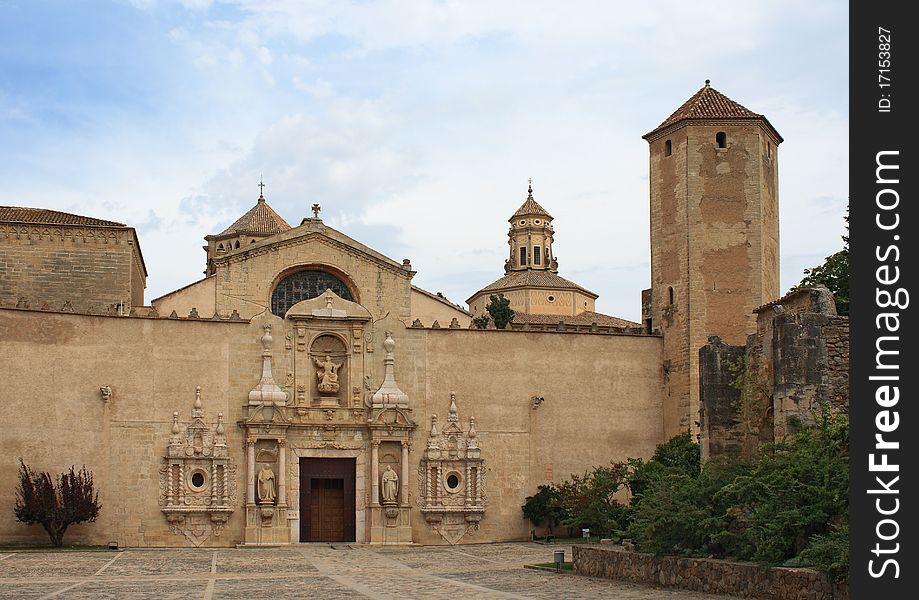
246	278
200	295
430	309
714	240
93	268
600	404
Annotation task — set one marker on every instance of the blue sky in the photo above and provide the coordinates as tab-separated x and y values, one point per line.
415	124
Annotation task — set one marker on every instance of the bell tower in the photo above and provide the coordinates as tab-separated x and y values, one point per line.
714	236
530	237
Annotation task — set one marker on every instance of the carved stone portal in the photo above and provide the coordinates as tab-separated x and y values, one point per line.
451	478
197	479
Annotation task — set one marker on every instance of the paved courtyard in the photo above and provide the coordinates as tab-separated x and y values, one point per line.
309	571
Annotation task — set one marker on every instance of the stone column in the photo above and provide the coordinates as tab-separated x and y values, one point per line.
375	473
282	475
404	491
250	471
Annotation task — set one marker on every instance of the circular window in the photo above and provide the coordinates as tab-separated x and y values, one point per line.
551	298
536	221
453	482
197	480
523	222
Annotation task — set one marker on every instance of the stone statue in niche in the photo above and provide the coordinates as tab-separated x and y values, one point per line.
390	485
327	375
266	485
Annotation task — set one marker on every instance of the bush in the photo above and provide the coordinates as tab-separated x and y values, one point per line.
829	552
55	509
545	507
589	500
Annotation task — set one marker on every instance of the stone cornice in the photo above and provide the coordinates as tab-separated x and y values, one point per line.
260	249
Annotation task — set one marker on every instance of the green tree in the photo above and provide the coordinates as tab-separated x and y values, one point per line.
589	500
833	273
480	322
499	308
55	509
544	507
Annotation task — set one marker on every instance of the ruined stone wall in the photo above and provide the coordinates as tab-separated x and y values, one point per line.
90	269
797	360
708	575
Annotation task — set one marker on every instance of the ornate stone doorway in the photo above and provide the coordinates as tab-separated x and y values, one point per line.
327	500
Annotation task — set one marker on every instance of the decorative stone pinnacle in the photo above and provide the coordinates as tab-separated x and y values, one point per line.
220	429
453	418
530	191
175	423
267	391
389	392
197	397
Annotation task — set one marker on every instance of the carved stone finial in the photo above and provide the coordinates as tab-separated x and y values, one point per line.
454	324
175	423
106	392
197	397
267	391
433	425
435	324
220	429
234	316
193	313
389	392
417	323
453	416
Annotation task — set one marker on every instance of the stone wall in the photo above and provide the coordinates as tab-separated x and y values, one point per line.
83	269
797	361
599	390
707	575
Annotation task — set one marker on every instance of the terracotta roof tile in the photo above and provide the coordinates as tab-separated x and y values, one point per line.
533	278
260	219
585	318
709	103
530	207
20	214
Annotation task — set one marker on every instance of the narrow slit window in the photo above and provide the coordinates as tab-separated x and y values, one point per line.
721	139
536	256
523	257
668	148
670	294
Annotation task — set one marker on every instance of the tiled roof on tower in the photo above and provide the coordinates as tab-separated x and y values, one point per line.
259	220
710	104
530	207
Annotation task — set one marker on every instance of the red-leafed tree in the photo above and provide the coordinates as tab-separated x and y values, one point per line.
38	501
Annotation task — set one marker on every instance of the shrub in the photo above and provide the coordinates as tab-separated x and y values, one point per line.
544	507
589	500
55	509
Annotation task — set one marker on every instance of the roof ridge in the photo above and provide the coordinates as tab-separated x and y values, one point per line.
48	216
709	103
260	219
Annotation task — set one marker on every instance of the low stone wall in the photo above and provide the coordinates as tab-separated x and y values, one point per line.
706	575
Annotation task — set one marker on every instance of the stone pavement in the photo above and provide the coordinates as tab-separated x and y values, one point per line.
309	571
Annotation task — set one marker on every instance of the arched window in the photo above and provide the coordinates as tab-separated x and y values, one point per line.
721	138
304	285
668	148
236	245
670	294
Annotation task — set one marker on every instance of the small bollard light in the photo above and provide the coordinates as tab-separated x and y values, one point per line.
559	559
113	545
585	533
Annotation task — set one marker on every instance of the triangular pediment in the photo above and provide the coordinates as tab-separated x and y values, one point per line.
311	232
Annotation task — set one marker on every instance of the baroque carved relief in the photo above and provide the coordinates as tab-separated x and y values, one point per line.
451	478
197	478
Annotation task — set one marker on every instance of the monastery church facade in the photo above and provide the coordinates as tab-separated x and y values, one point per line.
305	390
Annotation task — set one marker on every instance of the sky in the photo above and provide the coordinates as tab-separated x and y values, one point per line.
416	124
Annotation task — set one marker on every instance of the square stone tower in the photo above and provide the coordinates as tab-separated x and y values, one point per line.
714	236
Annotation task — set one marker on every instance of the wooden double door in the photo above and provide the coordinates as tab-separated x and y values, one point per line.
327	499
